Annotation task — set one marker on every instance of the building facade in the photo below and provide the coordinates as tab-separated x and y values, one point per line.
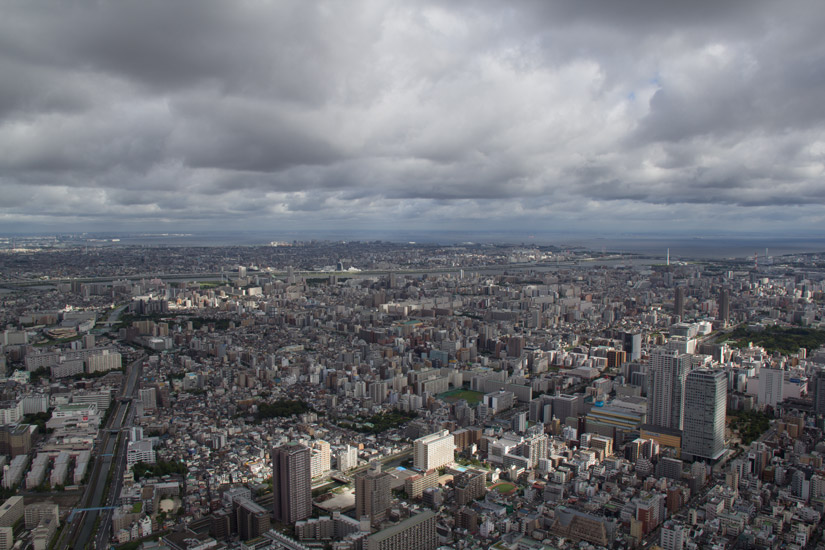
434	450
703	436
415	533
372	494
291	483
666	385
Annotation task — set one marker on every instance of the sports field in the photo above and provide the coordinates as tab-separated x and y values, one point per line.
503	487
470	396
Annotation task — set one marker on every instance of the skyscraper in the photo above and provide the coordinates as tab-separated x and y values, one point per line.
666	385
819	392
291	483
679	302
703	436
372	494
724	306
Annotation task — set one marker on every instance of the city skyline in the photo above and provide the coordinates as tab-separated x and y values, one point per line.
407	396
643	118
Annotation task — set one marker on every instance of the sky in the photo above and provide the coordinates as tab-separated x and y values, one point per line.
602	118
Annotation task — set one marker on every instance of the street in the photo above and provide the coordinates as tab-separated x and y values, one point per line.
79	532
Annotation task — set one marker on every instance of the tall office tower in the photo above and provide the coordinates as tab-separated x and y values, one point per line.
291	483
819	392
434	450
703	436
372	494
665	390
724	306
679	302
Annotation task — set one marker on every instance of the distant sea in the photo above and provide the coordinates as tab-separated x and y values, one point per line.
708	247
680	246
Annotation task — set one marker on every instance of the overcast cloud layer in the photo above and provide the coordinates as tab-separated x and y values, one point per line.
538	116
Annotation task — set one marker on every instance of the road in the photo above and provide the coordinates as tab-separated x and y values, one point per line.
102	538
79	532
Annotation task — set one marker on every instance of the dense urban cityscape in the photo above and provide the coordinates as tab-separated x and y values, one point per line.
430	275
377	395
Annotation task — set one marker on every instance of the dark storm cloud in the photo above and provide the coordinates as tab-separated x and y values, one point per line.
465	113
237	135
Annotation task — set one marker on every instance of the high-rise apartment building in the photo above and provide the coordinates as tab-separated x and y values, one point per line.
252	520
291	483
469	486
347	458
703	436
148	396
673	536
666	384
319	458
372	494
378	391
12	510
414	533
434	450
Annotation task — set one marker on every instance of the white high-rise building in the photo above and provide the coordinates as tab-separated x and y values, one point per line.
673	536
434	450
319	459
666	385
11	412
703	436
6	538
140	451
106	361
771	383
347	458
